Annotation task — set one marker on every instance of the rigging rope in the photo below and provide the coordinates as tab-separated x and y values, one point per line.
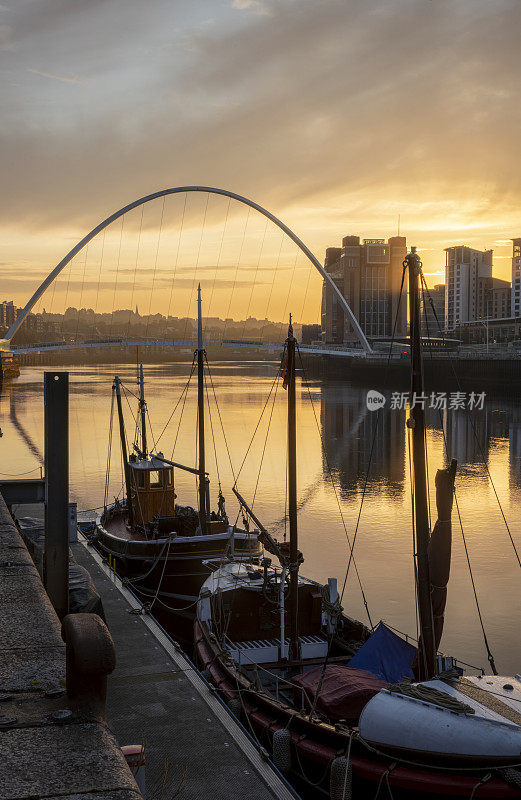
373	442
107	473
480	447
185	388
330	473
220	419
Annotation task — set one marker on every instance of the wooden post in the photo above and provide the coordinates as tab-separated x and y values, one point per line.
56	558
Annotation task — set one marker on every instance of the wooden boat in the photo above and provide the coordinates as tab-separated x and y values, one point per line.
163	548
348	710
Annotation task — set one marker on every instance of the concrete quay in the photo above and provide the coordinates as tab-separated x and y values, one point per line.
50	747
155	696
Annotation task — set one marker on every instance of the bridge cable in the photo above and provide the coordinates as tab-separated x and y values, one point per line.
274	269
81	292
197	263
467	554
155	266
218	262
255	277
237	265
135	271
290	285
117	274
177	255
99	281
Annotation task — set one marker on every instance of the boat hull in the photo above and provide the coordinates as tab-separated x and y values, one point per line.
167	573
315	745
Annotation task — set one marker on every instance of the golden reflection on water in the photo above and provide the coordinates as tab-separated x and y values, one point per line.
340	444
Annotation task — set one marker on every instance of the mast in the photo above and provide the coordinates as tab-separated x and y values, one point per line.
426	645
294	653
200	415
143	411
117	386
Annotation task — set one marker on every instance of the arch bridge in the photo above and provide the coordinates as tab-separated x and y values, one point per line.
6	343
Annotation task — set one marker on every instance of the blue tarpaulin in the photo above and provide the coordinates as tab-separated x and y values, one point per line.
385	655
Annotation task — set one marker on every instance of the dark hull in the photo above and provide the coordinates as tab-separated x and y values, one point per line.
315	745
167	576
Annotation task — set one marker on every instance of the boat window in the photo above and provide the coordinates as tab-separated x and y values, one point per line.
140	479
155	479
170	477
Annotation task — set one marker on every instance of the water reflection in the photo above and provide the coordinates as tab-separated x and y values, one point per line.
348	429
342	442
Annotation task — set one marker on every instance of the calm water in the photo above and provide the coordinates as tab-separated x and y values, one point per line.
334	434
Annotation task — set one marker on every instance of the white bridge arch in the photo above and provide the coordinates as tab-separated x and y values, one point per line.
178	190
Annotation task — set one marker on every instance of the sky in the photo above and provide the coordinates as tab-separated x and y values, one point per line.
339	116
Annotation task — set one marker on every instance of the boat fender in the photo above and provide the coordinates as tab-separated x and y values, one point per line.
282	750
512	777
341	779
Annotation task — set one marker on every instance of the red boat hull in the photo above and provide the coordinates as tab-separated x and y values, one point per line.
315	746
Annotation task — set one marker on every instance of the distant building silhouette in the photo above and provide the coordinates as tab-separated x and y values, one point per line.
369	275
464	267
515	308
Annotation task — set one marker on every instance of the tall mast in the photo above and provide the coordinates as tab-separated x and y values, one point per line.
143	412
294	653
200	415
117	386
427	649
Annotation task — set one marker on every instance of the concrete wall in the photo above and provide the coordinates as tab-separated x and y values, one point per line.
49	749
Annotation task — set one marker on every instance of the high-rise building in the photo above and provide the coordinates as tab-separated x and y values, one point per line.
464	266
368	275
7	313
515	307
493	298
433	315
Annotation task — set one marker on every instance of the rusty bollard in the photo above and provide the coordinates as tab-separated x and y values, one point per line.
90	657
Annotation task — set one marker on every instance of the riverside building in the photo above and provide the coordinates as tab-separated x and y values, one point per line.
368	274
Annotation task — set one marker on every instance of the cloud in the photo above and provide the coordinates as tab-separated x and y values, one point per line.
62	78
250	5
318	111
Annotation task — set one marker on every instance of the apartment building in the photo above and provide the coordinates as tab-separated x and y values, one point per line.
463	269
515	306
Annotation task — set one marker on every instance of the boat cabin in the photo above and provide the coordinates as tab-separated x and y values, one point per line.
151	489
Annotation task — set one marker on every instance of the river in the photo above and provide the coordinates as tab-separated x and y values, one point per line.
335	436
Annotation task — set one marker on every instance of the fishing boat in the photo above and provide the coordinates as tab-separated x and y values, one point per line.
163	549
348	709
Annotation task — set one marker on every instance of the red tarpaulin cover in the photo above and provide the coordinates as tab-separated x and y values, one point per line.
344	692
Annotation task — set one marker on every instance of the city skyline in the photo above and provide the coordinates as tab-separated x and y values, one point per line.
89	127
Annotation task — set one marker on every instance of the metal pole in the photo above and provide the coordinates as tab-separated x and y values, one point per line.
427	650
292	499
143	409
56	423
117	387
200	416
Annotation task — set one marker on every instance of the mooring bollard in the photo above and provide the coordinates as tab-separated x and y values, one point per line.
90	657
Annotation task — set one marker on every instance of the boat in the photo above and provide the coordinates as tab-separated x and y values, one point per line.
9	366
347	709
165	550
